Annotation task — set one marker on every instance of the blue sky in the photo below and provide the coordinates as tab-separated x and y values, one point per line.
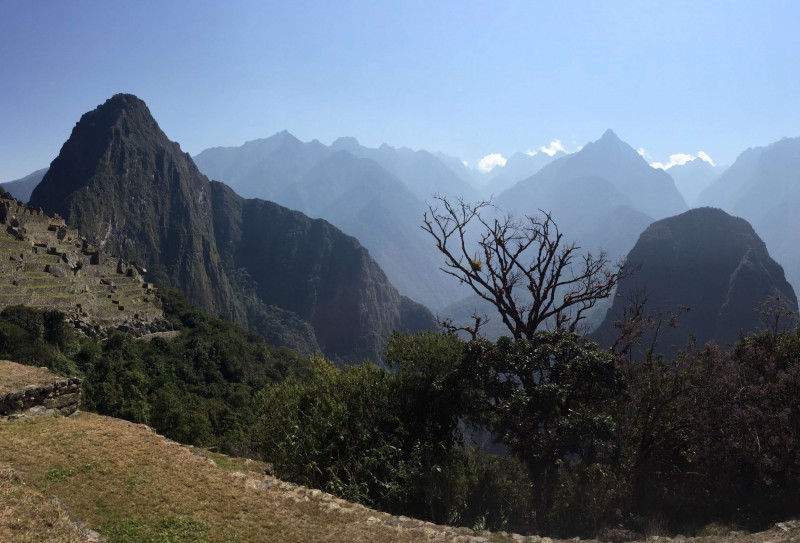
466	78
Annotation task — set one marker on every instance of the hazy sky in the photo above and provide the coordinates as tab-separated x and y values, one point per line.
465	78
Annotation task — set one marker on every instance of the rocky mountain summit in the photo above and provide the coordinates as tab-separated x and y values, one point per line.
298	282
709	263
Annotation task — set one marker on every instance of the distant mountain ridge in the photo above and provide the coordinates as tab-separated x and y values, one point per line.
763	186
693	177
651	191
21	189
124	184
601	198
376	195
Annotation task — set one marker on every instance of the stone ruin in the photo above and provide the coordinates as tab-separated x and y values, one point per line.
46	264
27	391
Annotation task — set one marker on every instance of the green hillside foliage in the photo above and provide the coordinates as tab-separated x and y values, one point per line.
582	440
593	442
197	388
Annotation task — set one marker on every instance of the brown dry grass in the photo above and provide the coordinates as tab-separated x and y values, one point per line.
26	516
131	484
15	376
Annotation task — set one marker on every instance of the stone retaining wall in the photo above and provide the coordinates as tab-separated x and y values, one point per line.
47	394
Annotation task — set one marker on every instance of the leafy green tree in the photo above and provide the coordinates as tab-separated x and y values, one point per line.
335	431
549	399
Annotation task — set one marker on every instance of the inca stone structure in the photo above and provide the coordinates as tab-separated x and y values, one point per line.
46	264
27	390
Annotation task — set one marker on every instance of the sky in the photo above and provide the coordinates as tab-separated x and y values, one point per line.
468	78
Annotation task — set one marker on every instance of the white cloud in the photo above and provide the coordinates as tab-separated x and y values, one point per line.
531	152
679	159
702	155
641	151
554	147
465	163
491	161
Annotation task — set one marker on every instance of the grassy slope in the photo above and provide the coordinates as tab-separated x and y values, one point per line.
131	484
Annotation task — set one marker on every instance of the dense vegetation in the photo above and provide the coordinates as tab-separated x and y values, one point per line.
593	441
582	440
197	388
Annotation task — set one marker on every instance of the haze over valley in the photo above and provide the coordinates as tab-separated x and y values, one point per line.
457	271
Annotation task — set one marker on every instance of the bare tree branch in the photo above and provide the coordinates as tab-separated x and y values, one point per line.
522	267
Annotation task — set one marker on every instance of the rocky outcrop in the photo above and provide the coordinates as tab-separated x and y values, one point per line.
132	191
710	266
27	391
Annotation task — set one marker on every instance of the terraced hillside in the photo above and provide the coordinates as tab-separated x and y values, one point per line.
46	264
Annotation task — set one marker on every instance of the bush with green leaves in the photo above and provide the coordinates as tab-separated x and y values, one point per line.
197	388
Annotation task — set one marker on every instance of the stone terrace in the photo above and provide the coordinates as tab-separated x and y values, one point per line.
46	264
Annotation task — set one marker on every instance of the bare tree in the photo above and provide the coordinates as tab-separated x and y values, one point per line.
522	267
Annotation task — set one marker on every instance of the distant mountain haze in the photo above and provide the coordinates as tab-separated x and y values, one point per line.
518	167
372	194
21	189
601	198
651	191
709	262
763	186
298	281
606	184
423	173
693	177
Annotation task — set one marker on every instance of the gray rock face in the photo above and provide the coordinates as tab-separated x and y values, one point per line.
709	262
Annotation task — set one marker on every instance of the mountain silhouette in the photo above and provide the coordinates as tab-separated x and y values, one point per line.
708	262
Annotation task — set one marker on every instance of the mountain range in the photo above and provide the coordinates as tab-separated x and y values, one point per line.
763	186
376	195
297	281
601	197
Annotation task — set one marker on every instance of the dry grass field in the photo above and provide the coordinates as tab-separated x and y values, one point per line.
132	485
15	376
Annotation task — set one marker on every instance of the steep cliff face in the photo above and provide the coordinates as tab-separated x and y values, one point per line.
709	262
310	268
127	187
